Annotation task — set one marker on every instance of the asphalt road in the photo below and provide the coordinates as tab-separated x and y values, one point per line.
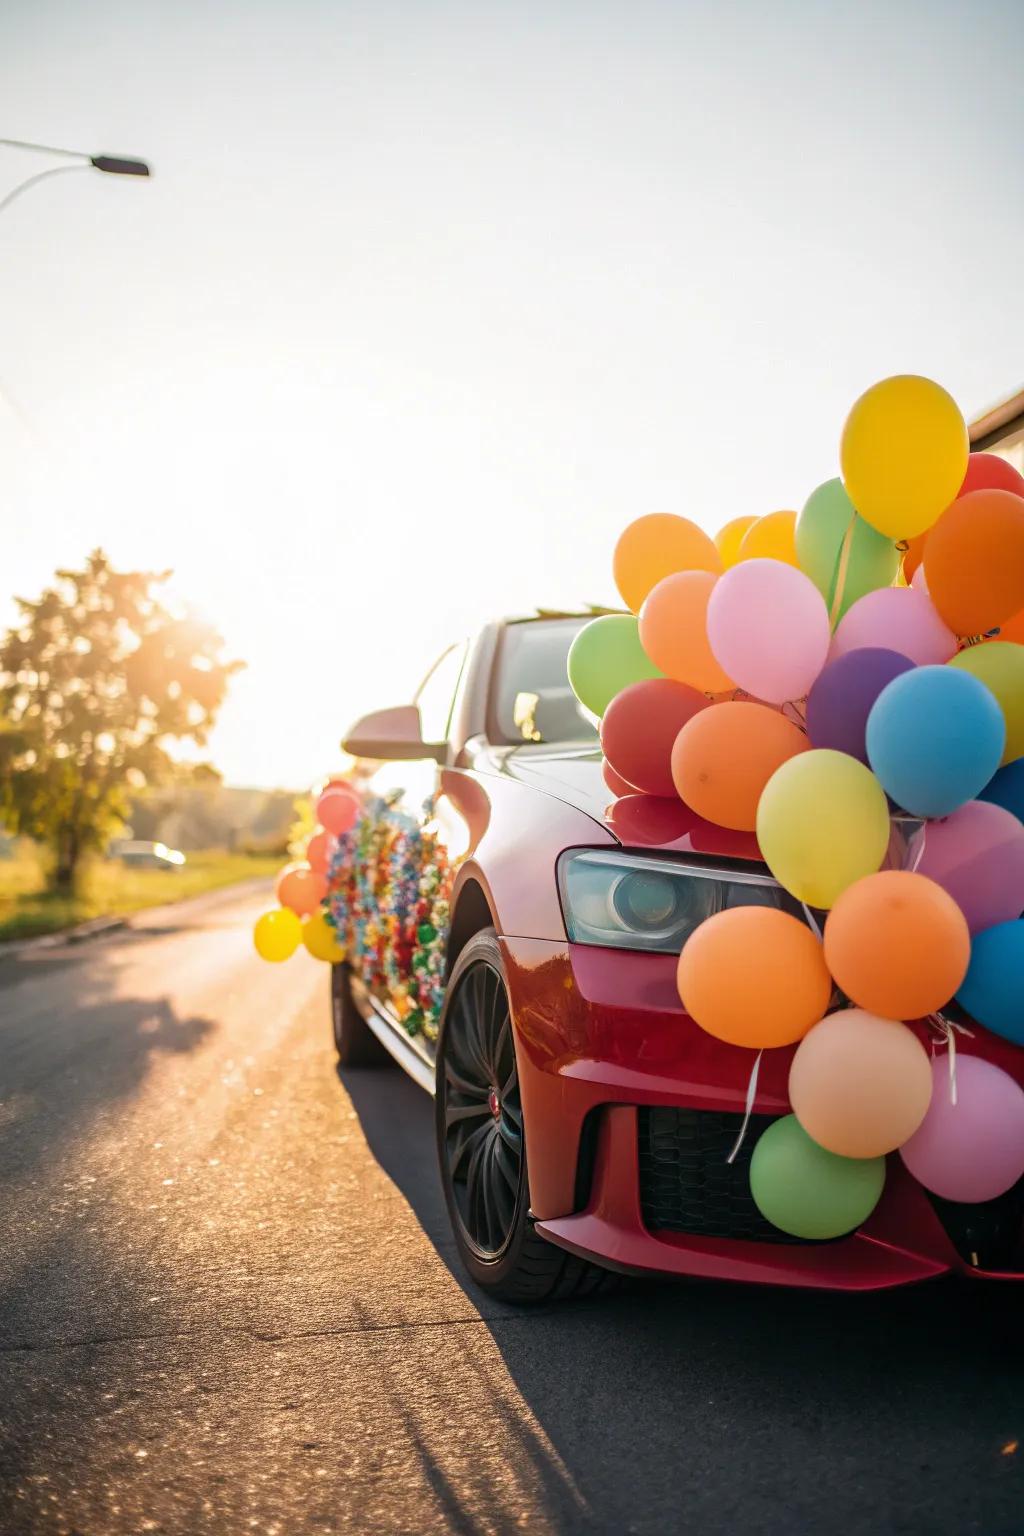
229	1303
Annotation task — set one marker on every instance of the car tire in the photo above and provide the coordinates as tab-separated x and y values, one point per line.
354	1040
481	1148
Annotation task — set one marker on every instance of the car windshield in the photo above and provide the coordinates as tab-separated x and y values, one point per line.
531	701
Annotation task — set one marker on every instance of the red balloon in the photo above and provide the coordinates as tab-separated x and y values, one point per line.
988	472
639	729
318	851
650	821
615	782
337	810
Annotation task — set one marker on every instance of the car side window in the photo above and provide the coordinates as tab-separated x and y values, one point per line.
436	694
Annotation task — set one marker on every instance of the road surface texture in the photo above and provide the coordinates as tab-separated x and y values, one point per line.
229	1303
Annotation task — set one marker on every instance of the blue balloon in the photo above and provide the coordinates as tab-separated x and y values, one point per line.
993	989
1007	788
935	737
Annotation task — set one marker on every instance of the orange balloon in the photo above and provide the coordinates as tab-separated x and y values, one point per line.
300	888
754	976
721	767
1012	629
673	631
859	1085
897	944
974	562
729	538
659	545
318	851
771	538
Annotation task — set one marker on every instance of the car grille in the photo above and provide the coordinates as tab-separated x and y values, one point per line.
686	1185
989	1235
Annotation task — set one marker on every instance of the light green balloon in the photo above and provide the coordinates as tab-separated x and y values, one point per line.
808	1192
820	531
606	657
999	664
822	823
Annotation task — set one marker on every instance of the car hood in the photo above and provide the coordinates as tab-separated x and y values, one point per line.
638	821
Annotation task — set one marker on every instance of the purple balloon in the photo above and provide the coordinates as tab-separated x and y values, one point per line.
839	703
977	855
974	1149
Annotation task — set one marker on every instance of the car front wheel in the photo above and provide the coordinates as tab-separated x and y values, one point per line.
480	1141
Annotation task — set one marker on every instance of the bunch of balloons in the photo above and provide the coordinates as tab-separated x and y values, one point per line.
301	887
846	684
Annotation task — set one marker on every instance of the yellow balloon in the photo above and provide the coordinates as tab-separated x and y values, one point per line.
822	823
771	538
999	664
277	934
729	539
904	454
321	939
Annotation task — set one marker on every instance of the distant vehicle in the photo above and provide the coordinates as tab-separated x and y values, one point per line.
583	1121
145	855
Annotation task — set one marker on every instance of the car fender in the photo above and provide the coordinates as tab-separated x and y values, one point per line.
513	837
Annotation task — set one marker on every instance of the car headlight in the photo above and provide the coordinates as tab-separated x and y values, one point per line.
628	901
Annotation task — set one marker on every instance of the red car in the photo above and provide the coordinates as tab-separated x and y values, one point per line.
512	932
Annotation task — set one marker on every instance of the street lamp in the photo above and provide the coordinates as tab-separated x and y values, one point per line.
111	165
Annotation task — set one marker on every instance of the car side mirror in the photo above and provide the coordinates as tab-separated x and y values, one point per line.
392	735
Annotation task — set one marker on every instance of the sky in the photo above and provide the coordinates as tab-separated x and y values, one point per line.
427	300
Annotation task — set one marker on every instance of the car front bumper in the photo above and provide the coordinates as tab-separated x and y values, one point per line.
601	1037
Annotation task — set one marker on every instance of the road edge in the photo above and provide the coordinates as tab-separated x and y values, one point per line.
99	927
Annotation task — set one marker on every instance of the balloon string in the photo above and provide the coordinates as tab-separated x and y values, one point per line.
948	1032
799	718
751	1096
812	920
919	853
842	565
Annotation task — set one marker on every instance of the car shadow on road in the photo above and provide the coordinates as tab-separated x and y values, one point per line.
751	1408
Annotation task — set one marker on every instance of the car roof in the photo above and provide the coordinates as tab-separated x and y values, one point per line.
587	611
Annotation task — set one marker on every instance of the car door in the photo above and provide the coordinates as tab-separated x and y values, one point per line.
404	864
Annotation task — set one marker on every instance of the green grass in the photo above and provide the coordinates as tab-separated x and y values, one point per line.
109	889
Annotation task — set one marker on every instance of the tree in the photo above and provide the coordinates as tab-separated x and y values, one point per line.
97	679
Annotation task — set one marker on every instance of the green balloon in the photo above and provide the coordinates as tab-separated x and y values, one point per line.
821	528
999	664
808	1192
606	657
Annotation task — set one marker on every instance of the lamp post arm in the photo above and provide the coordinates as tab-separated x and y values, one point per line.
46	149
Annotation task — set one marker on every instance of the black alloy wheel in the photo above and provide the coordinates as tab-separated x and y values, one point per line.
481	1144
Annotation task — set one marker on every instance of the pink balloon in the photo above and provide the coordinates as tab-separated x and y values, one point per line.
336	810
974	1149
919	581
768	628
977	855
900	619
